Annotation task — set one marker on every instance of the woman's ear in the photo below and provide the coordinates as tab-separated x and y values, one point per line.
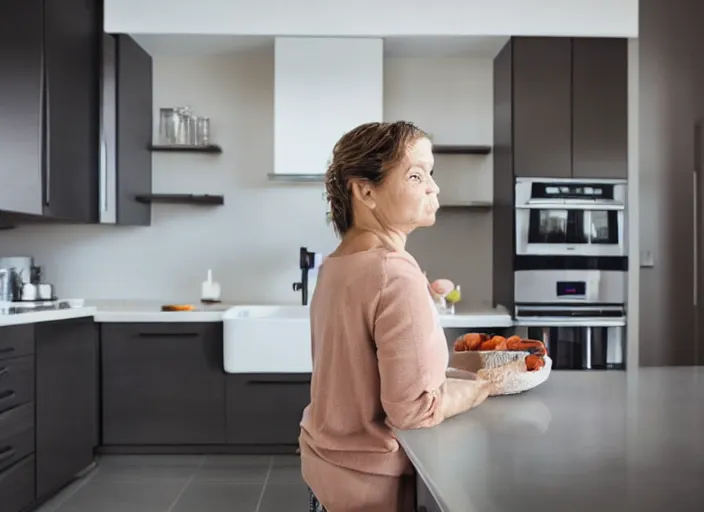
364	192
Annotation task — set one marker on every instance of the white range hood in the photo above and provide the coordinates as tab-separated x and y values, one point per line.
323	87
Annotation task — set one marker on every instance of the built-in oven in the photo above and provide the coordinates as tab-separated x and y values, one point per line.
580	315
571	217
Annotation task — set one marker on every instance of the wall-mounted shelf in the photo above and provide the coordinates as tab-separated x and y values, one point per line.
469	205
175	148
296	178
444	149
206	200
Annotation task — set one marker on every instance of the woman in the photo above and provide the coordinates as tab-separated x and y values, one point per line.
379	352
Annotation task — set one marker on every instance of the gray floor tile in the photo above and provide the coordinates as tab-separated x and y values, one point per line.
219	497
153	496
233	469
278	497
52	504
286	469
140	468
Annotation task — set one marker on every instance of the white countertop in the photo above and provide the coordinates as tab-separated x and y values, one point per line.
109	311
44	316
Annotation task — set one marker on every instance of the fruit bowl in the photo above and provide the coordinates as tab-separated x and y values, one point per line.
510	371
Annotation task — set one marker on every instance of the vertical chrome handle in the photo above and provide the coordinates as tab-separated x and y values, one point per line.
104	175
695	251
695	209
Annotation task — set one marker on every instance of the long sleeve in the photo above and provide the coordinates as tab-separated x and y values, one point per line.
411	347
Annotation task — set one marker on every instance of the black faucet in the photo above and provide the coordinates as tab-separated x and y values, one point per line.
306	263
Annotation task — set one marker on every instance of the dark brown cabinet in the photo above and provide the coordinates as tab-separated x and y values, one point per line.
17	421
70	61
542	97
66	401
567	112
49	105
126	132
599	108
163	384
53	135
265	409
21	91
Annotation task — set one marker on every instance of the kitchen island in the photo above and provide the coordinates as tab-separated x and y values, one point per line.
583	441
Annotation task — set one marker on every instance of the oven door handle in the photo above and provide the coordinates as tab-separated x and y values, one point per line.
547	321
572	206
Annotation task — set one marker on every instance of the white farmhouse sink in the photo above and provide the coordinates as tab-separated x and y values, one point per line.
267	339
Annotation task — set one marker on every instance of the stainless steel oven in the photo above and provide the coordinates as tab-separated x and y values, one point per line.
571	217
579	314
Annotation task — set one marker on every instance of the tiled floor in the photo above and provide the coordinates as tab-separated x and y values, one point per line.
165	483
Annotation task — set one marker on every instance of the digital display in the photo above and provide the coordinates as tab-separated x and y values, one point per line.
572	191
571	288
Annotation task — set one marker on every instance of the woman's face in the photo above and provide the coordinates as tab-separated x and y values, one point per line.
408	197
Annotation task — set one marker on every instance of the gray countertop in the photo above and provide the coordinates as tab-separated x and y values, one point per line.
583	441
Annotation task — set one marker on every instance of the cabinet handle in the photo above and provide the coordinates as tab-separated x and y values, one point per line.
47	133
7	453
695	208
7	395
281	381
4	370
7	350
168	334
104	175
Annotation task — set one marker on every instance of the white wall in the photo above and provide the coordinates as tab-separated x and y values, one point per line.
252	242
452	99
375	18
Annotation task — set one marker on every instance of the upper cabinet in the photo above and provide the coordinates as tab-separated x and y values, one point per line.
324	87
125	132
600	108
568	107
70	62
541	107
51	135
21	106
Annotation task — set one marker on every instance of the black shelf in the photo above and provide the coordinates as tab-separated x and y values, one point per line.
206	199
440	149
211	148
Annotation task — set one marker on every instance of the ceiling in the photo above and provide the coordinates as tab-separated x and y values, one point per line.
397	46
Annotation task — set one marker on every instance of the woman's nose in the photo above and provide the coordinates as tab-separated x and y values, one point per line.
433	187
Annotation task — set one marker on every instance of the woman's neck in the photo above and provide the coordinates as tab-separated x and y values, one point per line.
360	239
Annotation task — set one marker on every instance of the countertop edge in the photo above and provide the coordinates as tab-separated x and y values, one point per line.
482	319
420	471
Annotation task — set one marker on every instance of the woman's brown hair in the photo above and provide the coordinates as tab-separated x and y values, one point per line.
366	153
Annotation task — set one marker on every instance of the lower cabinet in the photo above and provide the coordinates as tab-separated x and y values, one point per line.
17	432
265	409
17	486
163	384
66	401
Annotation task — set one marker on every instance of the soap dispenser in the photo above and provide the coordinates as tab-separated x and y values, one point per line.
210	290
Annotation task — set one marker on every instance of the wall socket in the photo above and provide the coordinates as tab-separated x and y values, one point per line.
647	259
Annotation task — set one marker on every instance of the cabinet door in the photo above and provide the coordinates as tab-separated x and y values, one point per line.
134	132
66	400
20	106
17	486
71	64
668	64
542	107
163	384
600	108
265	409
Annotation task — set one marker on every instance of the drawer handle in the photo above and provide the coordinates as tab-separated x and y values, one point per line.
7	350
4	370
7	453
7	395
168	334
273	381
